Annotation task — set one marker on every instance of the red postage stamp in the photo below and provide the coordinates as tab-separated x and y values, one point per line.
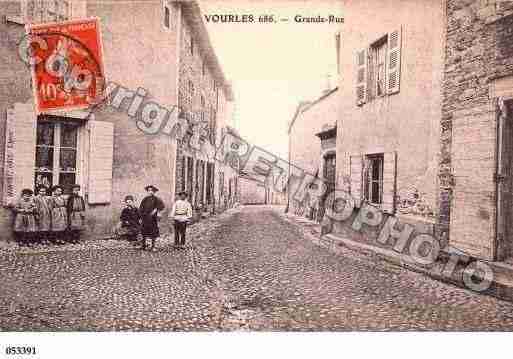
67	67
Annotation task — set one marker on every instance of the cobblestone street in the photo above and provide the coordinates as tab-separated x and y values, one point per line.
247	269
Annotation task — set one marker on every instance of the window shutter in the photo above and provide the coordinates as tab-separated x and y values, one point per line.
356	167
101	145
361	77
394	62
389	181
20	151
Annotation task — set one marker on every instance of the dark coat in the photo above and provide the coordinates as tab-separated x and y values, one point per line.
148	209
130	217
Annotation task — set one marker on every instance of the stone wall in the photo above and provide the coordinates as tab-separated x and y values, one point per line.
478	51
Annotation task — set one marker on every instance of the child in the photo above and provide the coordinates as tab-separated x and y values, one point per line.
59	215
44	214
150	209
130	219
25	221
181	214
75	209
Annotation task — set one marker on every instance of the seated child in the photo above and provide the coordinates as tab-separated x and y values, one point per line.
130	219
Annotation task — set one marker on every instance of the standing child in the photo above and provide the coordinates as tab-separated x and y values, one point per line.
181	214
75	208
44	214
25	221
150	209
59	215
130	219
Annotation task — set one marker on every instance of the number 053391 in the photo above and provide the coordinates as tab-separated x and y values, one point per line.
20	350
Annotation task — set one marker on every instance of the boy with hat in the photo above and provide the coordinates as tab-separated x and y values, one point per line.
75	208
150	209
181	214
130	219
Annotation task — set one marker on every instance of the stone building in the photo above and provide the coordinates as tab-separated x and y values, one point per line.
312	140
475	167
165	55
389	106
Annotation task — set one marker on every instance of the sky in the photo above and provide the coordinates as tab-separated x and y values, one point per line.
273	66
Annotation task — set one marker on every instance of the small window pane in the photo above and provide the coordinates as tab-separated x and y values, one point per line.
68	136
376	169
68	160
45	133
44	159
375	192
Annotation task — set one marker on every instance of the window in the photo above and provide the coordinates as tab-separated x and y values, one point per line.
373	176
210	182
329	168
378	68
166	17
213	126
56	154
40	11
190	172
377	65
191	88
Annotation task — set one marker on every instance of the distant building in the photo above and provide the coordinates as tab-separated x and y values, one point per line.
252	191
312	140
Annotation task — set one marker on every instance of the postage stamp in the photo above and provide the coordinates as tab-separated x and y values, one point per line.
67	64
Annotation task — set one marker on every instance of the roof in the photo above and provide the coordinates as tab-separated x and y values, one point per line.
305	106
193	16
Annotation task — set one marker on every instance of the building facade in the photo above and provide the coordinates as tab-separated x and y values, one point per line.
312	141
252	191
107	152
390	104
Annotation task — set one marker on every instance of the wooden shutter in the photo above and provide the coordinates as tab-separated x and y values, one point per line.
356	167
361	77
101	147
394	62
20	151
389	181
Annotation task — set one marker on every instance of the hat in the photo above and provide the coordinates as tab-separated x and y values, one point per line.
152	187
182	193
27	191
75	186
129	198
54	188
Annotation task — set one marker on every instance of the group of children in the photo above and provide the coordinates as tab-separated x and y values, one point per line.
143	221
57	219
45	218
